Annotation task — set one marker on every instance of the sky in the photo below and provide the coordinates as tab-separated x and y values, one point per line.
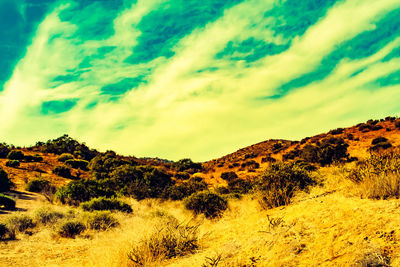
194	79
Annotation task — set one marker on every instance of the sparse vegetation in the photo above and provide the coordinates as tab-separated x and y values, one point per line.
20	223
46	215
172	240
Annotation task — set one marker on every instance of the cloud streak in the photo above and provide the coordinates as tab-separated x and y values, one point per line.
181	79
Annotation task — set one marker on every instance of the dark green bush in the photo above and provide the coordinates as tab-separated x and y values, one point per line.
6	202
66	144
77	164
229	176
397	124
37	185
279	182
378	140
83	190
3	231
16	155
380	146
104	164
71	229
101	220
5	183
336	131
250	164
210	204
103	203
240	186
12	163
187	165
182	175
4	150
65	156
179	192
63	171
20	223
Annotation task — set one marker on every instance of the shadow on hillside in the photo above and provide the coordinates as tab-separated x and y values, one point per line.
22	195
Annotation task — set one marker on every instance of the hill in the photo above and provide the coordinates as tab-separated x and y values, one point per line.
331	200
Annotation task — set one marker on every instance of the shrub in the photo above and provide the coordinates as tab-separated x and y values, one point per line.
187	165
377	177
379	139
71	229
20	223
64	157
3	231
268	159
63	171
173	240
82	190
7	202
12	163
103	203
16	155
37	185
46	216
4	150
101	220
179	192
104	164
210	204
278	183
250	164
182	175
381	146
336	131
5	183
229	176
326	152
35	158
240	186
397	124
78	164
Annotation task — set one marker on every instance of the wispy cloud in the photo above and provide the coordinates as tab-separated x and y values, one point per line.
188	79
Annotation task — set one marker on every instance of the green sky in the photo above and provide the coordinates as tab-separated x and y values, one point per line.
198	79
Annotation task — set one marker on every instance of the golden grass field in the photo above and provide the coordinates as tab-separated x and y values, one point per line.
329	226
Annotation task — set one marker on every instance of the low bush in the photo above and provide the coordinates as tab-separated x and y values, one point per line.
380	143
397	124
379	139
101	220
4	150
46	216
103	203
63	171
65	156
250	165
240	186
229	176
377	177
277	185
77	164
172	240
12	163
210	204
37	185
20	223
16	155
179	192
187	165
83	190
336	131
71	229
6	202
34	158
5	183
182	175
